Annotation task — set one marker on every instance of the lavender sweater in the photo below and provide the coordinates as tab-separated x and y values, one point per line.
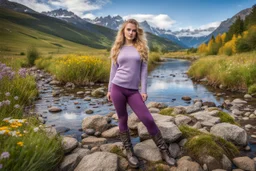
129	70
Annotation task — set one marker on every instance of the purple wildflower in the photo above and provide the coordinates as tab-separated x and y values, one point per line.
1	166
7	102
5	155
7	94
22	72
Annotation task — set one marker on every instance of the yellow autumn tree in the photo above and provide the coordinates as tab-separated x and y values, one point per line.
229	48
223	37
202	48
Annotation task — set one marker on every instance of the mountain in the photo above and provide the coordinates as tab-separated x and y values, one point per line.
15	6
108	21
184	38
69	28
224	25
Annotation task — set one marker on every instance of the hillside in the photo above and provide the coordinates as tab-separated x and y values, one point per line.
19	30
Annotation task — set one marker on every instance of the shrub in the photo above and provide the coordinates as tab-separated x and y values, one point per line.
252	89
32	55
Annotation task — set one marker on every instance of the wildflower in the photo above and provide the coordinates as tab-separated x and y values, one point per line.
36	129
20	143
7	119
1	103
7	102
5	155
7	94
1	166
22	72
16	106
16	98
3	128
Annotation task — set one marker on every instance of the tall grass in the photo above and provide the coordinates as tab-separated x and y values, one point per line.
77	69
237	72
81	69
27	147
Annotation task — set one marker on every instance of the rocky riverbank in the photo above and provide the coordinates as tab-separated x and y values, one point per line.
99	147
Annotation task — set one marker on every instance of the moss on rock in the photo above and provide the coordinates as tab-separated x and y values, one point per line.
167	111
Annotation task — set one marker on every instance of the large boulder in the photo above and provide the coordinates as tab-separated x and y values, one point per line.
69	144
148	150
96	122
169	131
230	132
103	161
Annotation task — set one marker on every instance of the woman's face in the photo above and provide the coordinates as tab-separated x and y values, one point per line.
130	31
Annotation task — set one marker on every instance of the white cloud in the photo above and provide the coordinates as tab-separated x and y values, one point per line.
79	6
213	24
202	27
162	21
89	15
34	4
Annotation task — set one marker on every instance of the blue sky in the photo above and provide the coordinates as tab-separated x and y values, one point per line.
168	14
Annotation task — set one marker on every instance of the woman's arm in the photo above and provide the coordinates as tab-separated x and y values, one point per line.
143	77
112	74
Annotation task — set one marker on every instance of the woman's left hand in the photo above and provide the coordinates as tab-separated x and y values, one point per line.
144	96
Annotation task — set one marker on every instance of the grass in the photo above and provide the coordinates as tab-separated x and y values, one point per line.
167	111
28	146
225	117
22	140
182	54
237	72
200	144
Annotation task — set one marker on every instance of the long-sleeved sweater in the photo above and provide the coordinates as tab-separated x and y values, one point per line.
129	70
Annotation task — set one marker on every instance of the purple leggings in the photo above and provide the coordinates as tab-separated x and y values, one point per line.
120	97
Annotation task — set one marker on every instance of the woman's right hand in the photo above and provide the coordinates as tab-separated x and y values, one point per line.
109	96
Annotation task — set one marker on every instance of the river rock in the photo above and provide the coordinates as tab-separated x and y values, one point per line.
186	164
194	108
112	132
179	110
174	149
69	144
237	112
94	141
209	104
54	109
115	116
244	163
81	152
238	101
182	119
99	161
148	151
206	116
169	130
247	96
154	110
109	147
80	93
186	98
162	118
230	132
133	121
69	162
89	111
96	122
70	85
156	105
99	92
89	131
55	82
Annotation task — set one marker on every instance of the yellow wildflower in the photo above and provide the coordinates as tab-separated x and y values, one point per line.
20	143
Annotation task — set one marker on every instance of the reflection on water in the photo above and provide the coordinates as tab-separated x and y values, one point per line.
169	81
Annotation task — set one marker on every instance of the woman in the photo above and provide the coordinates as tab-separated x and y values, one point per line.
129	56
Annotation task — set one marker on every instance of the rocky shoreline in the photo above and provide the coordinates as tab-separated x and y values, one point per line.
100	149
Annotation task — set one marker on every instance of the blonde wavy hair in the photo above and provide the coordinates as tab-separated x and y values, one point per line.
139	42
